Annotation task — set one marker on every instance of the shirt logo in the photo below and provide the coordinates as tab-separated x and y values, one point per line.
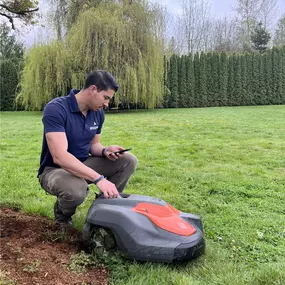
95	127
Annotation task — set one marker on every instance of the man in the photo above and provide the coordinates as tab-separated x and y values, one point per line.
72	155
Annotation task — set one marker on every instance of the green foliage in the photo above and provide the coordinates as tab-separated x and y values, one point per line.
215	62
244	79
249	90
182	83
260	38
66	12
281	75
267	58
5	278
10	48
213	65
231	82
173	81
262	100
11	63
43	74
8	83
190	81
196	63
210	79
255	79
81	261
278	64
203	81
32	267
166	91
237	92
221	79
120	38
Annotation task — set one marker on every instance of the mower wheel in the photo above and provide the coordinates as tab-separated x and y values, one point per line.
101	240
86	232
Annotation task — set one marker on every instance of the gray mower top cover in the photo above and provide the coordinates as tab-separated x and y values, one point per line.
147	228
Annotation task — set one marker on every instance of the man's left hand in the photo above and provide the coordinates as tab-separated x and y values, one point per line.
110	152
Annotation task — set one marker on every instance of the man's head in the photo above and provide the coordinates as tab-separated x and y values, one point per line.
101	86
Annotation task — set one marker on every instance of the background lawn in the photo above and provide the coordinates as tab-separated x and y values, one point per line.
225	164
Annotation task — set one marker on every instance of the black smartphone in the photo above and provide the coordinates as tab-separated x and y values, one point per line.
121	151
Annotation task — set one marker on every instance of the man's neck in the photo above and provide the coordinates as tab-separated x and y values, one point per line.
81	101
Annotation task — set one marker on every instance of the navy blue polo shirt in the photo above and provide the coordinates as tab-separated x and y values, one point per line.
63	115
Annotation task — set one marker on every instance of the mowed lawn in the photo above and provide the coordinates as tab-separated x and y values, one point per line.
225	164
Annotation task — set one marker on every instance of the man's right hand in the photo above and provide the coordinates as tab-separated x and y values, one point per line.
108	188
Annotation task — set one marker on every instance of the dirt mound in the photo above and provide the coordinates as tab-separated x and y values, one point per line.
36	251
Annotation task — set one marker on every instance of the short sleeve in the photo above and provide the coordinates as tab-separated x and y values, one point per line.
54	118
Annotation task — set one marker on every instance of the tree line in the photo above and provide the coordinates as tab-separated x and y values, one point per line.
11	66
220	79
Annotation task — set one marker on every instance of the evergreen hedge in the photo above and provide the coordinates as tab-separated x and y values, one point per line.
8	84
200	80
220	79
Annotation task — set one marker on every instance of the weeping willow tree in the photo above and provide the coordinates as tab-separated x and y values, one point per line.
116	36
46	75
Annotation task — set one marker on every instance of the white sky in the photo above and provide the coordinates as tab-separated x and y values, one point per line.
220	8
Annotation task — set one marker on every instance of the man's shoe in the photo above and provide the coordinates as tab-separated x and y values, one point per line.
66	222
59	217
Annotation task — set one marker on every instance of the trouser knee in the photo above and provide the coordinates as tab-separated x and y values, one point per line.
72	194
131	162
73	197
69	189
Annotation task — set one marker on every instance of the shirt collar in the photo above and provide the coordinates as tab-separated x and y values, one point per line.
74	105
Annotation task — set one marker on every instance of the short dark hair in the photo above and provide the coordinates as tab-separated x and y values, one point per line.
102	79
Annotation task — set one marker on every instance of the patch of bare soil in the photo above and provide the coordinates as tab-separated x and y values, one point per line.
36	251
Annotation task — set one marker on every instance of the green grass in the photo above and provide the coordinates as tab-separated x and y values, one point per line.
225	164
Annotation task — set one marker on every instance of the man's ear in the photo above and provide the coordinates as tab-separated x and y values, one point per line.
93	88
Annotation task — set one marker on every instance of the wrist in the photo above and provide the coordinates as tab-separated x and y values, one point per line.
103	151
99	179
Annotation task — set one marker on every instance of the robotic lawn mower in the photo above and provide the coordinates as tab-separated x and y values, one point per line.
144	228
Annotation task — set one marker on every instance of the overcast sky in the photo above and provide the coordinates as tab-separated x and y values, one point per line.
220	8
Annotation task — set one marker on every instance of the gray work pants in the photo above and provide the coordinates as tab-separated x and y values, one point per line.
71	190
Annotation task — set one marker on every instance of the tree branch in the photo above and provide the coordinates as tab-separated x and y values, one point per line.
18	12
10	19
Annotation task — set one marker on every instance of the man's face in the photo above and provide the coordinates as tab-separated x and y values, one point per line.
99	99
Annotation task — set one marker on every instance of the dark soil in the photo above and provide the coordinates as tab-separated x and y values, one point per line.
36	251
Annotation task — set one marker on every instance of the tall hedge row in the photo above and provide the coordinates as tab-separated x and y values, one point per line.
195	80
8	84
220	79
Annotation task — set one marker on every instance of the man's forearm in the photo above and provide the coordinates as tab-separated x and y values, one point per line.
74	166
96	149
